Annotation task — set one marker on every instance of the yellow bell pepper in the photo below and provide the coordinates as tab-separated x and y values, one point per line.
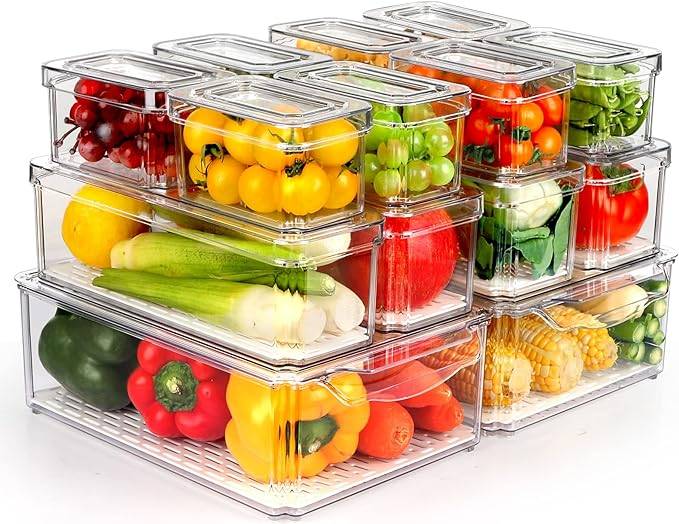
285	432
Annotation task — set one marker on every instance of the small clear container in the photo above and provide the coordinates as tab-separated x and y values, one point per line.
438	20
611	106
425	263
549	353
620	208
526	236
269	152
267	294
519	122
284	441
413	150
344	39
239	54
108	114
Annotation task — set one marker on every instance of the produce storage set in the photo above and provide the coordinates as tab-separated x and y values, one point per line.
292	270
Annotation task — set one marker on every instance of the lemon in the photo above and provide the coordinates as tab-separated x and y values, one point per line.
93	224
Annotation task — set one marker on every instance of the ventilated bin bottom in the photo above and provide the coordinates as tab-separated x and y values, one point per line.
614	256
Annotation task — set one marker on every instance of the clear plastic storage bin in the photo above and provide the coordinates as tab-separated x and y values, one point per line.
518	123
282	440
239	54
435	20
269	152
611	106
425	263
526	236
413	151
551	352
108	114
344	39
266	294
620	208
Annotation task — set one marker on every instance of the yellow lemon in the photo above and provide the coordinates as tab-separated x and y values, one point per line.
93	224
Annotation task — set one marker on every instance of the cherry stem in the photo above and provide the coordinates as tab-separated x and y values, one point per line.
60	142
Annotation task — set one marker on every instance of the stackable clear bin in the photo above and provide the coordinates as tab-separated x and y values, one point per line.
108	114
413	151
526	236
425	263
239	54
611	106
266	294
435	20
344	39
263	150
519	118
620	208
284	441
548	353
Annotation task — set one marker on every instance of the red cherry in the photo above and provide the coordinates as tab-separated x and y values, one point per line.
130	155
88	87
170	162
110	94
160	99
114	154
91	148
131	123
130	95
84	116
108	133
161	123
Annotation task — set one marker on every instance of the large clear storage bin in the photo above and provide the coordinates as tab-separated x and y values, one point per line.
239	54
435	20
519	119
108	114
611	107
344	39
621	205
551	352
266	151
413	151
282	440
266	294
526	236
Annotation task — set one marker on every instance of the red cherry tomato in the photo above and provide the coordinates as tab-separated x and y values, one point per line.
548	141
552	106
480	130
425	71
514	153
527	115
500	96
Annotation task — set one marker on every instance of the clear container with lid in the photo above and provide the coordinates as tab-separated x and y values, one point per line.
108	114
285	440
260	149
239	54
425	263
344	39
611	106
548	353
414	148
267	294
518	122
621	206
526	236
437	20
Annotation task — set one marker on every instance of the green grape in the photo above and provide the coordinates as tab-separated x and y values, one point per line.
442	170
381	133
372	167
393	153
418	175
439	140
416	143
387	183
418	113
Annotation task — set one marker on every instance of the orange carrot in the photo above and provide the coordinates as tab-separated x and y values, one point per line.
388	432
444	417
436	396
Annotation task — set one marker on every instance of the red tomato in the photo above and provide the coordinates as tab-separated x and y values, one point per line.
548	141
552	107
527	115
610	215
425	71
514	153
480	130
502	94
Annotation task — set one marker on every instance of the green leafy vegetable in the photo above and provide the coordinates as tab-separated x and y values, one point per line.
562	231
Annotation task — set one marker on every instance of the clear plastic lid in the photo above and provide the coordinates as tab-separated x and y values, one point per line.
569	179
657	149
489	62
441	20
376	84
239	54
127	68
584	50
263	99
350	34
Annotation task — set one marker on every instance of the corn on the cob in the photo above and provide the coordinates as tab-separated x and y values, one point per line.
461	354
599	350
555	356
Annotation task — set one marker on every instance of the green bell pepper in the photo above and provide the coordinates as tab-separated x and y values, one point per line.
90	360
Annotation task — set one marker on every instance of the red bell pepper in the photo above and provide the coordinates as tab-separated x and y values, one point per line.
178	396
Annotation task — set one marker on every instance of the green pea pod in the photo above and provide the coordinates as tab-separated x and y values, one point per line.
594	72
579	137
600	96
583	111
617	128
631	69
582	124
641	118
628	122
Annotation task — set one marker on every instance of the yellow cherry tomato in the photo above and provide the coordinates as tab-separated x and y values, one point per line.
198	169
342	142
304	190
259	189
203	128
273	144
222	179
238	140
343	186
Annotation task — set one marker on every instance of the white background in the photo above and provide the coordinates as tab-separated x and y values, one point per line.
614	460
